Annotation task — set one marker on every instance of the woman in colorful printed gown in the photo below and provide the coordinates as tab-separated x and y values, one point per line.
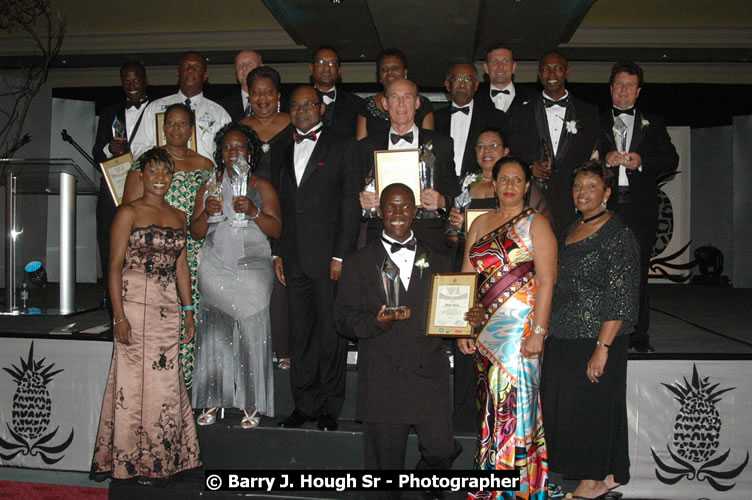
513	249
191	171
146	428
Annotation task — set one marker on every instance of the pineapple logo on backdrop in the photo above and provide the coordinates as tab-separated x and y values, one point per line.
697	429
32	408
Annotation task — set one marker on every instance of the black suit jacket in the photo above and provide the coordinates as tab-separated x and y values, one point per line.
652	142
403	376
445	182
234	105
483	116
522	95
342	114
531	130
319	216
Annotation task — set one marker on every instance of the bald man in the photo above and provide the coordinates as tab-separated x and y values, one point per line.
236	104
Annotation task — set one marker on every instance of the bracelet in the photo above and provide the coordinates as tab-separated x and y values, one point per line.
598	342
540	330
189	308
258	212
119	321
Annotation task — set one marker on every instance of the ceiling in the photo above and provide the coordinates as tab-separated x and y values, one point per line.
693	43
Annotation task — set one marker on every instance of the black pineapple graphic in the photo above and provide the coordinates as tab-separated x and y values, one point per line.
697	429
32	408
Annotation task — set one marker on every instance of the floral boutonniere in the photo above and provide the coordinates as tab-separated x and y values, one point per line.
470	180
206	123
265	147
422	263
573	126
644	123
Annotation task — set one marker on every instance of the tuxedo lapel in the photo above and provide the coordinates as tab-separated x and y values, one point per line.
541	124
607	125
317	156
566	137
289	167
637	132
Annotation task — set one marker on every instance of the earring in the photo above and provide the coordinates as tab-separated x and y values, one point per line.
603	205
278	106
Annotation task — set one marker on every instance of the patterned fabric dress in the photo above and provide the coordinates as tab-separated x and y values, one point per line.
182	195
511	430
146	427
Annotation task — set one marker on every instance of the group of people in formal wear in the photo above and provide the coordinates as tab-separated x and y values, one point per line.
202	302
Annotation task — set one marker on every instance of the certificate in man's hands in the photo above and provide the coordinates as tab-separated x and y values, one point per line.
452	295
115	170
398	166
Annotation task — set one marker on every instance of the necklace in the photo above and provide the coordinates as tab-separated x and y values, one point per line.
487	179
176	157
591	219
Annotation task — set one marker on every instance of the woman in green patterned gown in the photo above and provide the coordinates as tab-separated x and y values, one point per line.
191	171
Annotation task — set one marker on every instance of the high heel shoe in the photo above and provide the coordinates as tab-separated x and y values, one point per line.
209	416
249	421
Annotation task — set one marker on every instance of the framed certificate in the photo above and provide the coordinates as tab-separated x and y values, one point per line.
401	166
452	295
473	213
162	139
115	170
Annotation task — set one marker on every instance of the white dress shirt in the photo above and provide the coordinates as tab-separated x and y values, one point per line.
302	151
555	117
629	122
131	117
502	101
403	144
210	117
459	129
245	99
403	258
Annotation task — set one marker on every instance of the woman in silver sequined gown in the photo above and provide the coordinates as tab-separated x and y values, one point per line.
233	367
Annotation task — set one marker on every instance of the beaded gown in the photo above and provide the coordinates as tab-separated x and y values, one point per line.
511	429
233	339
146	427
182	195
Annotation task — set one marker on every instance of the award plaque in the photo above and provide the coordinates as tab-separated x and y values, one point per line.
115	170
162	139
401	165
473	213
452	295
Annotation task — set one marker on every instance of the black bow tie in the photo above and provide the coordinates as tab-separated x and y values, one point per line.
188	102
454	109
408	137
396	247
561	102
618	111
495	92
137	105
331	94
312	135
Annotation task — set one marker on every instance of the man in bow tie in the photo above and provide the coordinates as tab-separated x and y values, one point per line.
403	375
555	132
237	104
462	119
117	126
318	195
342	107
401	101
639	158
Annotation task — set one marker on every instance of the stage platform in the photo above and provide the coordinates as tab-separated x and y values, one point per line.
688	322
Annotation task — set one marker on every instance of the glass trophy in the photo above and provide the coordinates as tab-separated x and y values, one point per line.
214	190
118	128
544	156
461	202
391	279
427	161
241	170
370	187
620	131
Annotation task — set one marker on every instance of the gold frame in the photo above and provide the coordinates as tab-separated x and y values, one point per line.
439	280
162	140
398	165
115	170
473	213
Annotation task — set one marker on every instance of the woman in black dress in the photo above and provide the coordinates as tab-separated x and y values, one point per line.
595	304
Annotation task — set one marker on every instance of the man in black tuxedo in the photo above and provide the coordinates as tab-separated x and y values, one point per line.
236	104
462	120
501	93
342	107
117	126
401	101
555	132
403	375
318	195
646	155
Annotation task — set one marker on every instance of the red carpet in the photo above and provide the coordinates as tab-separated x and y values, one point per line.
15	490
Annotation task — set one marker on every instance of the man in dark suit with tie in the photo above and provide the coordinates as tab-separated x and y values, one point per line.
462	120
501	93
401	101
342	107
117	126
643	154
236	104
555	132
403	375
317	189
